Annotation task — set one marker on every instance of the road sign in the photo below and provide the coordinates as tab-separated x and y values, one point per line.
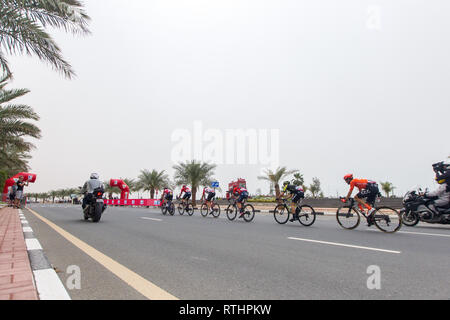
215	184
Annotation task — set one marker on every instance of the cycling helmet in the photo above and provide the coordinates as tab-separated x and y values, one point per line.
286	183
94	176
348	177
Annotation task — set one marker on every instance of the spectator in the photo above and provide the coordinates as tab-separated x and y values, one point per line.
12	195
19	193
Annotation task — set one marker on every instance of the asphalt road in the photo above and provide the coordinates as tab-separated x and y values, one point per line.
206	258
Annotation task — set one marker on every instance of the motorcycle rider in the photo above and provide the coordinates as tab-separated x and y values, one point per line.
89	187
441	196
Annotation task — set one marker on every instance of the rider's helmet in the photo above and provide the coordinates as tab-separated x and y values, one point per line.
184	186
348	178
94	176
442	170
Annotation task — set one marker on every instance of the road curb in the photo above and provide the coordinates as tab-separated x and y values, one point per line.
48	284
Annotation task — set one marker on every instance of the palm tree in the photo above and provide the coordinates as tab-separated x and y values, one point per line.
276	176
23	24
299	180
14	126
315	188
195	174
387	187
53	194
152	181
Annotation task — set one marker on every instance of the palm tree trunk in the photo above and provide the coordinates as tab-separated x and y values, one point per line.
194	195
152	193
277	190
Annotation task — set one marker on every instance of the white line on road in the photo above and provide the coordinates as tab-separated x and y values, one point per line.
154	219
422	233
344	245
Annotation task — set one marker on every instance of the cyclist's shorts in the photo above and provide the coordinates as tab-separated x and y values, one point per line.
244	195
210	196
370	193
298	196
187	195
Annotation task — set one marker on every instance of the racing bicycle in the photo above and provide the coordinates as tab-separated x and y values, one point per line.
385	219
232	210
204	211
306	213
183	207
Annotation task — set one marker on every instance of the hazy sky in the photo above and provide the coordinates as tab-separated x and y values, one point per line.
353	86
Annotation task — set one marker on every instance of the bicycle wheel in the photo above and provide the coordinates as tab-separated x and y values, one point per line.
171	209
164	209
348	218
387	219
180	209
249	213
307	215
189	209
281	214
216	210
204	210
231	212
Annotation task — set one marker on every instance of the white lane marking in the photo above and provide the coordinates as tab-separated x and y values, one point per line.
49	286
344	245
154	219
27	229
24	222
422	233
33	244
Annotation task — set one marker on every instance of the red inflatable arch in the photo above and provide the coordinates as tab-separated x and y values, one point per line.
27	177
122	186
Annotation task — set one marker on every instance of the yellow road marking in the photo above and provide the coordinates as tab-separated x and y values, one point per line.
143	286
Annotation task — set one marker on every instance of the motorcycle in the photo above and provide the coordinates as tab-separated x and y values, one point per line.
418	208
95	206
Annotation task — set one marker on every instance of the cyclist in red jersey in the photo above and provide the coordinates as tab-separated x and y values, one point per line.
368	190
167	194
187	194
242	193
211	193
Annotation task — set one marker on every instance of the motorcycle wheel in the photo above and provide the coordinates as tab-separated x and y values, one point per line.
97	212
410	219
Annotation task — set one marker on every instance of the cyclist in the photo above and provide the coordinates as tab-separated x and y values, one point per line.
367	190
242	193
296	193
187	194
211	193
167	194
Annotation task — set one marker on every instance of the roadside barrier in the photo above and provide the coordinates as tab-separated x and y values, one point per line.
133	202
